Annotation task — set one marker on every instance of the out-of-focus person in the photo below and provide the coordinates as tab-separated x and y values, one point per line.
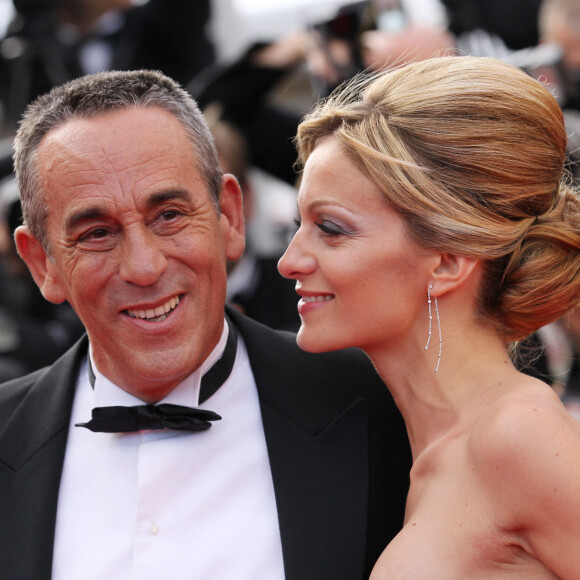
51	41
255	286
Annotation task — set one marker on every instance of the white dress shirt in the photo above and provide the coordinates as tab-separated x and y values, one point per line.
164	505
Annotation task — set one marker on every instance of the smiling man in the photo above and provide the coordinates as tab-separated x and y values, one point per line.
139	249
177	439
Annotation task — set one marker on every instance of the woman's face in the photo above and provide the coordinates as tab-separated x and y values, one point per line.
361	279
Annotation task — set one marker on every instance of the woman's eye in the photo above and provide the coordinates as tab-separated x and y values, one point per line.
329	228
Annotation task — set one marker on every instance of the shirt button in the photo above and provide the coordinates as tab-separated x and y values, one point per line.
154	529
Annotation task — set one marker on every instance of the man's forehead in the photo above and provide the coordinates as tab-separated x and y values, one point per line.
115	123
71	157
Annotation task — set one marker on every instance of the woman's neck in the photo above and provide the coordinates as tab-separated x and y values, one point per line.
473	371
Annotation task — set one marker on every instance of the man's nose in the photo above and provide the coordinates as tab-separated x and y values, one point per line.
143	260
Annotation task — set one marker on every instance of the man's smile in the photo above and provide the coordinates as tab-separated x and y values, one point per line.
157	314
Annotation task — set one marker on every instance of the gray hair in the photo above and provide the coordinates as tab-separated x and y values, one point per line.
94	95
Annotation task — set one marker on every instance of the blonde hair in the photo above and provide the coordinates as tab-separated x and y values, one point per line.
471	152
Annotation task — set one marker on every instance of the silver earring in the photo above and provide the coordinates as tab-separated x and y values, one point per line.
430	325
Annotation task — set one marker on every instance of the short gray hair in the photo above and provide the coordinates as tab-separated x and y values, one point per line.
93	95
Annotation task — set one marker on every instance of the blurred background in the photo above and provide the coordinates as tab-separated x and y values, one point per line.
256	67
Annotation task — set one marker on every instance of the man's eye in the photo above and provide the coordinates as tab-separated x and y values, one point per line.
169	215
169	222
96	234
329	228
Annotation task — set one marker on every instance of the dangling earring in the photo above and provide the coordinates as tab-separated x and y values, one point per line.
430	324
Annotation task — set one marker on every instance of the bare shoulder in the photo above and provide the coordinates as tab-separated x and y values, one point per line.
525	449
525	427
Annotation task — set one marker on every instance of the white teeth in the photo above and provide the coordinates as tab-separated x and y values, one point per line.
158	313
316	298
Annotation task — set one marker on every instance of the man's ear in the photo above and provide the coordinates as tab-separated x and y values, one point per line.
232	217
453	271
41	267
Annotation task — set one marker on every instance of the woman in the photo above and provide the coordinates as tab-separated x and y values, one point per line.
438	230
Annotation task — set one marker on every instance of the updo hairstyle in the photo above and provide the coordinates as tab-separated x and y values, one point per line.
471	152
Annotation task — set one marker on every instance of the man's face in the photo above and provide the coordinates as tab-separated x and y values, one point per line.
137	245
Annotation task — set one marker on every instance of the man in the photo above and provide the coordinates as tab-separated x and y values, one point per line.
301	473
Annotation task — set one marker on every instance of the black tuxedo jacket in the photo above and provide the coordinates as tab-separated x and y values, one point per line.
337	446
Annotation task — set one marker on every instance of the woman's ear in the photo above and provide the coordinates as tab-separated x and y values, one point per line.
453	271
41	267
232	217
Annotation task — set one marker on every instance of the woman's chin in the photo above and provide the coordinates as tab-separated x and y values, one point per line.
311	342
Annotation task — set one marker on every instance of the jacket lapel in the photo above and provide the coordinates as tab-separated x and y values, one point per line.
32	445
319	460
312	445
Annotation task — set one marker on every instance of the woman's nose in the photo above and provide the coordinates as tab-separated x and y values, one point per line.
296	261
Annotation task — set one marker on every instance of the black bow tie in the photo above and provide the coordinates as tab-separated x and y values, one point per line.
167	416
164	416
